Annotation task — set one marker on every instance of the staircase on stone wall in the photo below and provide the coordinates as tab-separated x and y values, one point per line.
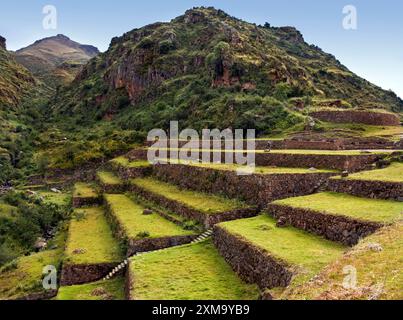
203	237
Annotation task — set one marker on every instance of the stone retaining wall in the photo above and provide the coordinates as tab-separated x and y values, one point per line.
251	263
129	173
256	189
134	246
79	202
336	144
207	220
357	116
80	274
337	228
45	295
351	163
368	189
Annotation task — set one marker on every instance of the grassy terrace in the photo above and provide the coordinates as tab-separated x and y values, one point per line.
109	178
308	252
124	162
90	239
257	170
190	272
205	203
393	173
84	190
131	217
383	211
379	272
24	275
102	290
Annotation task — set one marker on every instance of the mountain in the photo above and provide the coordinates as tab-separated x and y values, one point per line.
206	68
15	80
55	60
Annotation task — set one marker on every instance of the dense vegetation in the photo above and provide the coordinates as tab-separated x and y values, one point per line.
207	69
23	219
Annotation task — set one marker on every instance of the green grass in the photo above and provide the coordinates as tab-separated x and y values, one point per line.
6	211
108	178
205	203
307	252
393	173
24	275
101	290
190	272
61	199
131	217
379	273
90	233
124	162
375	210
84	190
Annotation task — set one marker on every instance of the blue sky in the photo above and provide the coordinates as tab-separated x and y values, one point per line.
373	51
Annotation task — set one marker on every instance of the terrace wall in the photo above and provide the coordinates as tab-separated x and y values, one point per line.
337	228
143	245
129	173
352	163
207	220
79	202
255	189
251	263
80	274
368	189
356	116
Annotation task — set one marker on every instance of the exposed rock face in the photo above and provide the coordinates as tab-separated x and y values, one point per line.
3	43
206	53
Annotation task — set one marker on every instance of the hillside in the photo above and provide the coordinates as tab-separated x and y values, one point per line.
55	60
15	80
206	68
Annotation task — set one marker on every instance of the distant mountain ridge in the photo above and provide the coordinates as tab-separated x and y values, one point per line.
55	60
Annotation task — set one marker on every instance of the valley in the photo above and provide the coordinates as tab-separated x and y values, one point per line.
78	191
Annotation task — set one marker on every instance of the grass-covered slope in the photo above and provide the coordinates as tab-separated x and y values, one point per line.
24	276
208	69
15	81
378	265
190	272
383	211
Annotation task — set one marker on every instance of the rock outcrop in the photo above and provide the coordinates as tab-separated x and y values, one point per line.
3	43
